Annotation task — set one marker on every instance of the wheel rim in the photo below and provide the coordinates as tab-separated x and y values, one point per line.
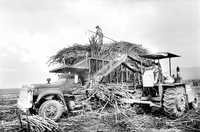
50	111
180	105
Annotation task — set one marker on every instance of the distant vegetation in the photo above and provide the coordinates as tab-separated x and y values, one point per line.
193	82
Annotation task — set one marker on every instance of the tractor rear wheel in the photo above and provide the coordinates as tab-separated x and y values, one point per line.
174	101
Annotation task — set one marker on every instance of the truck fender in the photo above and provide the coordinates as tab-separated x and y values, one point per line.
51	92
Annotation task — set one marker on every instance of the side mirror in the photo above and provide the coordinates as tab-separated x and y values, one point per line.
48	80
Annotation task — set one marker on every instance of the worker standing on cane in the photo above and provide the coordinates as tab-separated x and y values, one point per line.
99	35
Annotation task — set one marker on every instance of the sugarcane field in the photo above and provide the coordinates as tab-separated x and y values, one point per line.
99	66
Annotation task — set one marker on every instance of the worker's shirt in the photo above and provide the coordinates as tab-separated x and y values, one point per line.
99	33
148	78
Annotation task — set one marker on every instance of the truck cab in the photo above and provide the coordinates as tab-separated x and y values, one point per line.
52	99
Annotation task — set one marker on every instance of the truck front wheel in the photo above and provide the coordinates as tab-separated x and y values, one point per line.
51	109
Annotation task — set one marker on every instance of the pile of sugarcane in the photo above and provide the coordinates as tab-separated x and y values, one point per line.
39	124
102	96
32	124
77	52
13	126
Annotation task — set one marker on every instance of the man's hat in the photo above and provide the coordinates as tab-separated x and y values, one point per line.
97	26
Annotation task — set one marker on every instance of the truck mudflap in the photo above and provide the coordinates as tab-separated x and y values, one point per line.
25	99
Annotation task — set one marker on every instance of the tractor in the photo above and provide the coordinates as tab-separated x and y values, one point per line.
166	93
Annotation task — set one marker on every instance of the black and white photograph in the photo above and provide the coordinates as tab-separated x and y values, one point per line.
99	65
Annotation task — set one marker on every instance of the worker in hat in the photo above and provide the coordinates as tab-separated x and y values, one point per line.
99	35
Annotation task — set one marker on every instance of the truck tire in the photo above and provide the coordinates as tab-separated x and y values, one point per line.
51	109
174	101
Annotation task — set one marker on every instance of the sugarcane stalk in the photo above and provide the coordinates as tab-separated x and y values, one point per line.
19	117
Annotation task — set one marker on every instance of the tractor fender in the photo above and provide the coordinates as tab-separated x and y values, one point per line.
51	92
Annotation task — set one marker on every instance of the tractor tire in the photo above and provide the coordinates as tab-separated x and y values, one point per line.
51	109
174	101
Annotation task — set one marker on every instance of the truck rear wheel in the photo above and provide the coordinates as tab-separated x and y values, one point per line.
174	101
51	109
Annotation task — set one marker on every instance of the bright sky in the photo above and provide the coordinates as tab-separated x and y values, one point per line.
33	30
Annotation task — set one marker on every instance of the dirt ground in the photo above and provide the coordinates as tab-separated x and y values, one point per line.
93	121
104	122
113	121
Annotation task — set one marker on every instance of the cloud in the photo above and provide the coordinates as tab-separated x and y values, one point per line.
6	69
